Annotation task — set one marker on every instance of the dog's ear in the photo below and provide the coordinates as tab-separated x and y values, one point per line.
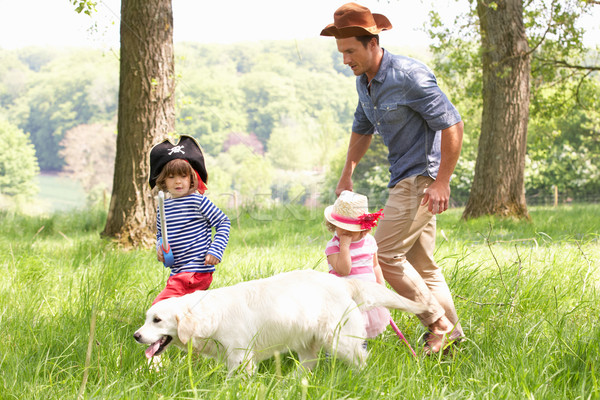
192	324
186	325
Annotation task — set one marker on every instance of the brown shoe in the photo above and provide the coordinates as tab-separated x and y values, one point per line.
435	342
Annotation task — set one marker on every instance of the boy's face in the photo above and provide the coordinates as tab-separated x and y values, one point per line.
178	185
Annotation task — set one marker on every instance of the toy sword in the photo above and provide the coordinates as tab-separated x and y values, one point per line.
164	241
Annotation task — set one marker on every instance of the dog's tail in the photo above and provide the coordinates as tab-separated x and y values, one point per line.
369	295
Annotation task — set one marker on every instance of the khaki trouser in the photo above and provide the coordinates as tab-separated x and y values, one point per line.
406	240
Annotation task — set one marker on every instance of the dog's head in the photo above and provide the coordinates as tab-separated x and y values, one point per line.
175	320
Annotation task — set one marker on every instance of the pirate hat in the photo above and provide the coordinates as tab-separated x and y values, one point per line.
187	148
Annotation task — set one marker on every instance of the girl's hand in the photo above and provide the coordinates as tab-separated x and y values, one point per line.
159	255
344	236
211	260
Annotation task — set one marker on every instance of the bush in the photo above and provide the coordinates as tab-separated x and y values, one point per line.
18	164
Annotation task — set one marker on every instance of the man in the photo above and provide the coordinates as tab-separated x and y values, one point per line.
400	100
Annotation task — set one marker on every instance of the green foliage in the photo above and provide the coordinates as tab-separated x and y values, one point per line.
35	58
13	79
298	99
70	89
564	96
241	170
283	93
371	176
18	165
86	6
527	293
257	87
89	155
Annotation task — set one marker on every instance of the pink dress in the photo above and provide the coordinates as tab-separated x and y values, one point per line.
361	254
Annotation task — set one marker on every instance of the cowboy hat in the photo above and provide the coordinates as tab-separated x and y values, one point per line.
352	19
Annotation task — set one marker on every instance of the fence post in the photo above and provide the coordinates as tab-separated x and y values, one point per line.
555	196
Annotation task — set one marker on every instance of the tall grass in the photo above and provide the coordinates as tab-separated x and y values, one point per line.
527	294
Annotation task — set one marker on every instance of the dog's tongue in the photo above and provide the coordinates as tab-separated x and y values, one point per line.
153	348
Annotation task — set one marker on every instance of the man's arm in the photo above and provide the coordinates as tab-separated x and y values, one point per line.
437	195
358	146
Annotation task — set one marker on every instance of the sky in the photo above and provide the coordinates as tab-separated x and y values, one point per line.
55	22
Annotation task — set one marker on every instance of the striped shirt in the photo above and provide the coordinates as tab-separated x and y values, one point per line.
361	255
190	220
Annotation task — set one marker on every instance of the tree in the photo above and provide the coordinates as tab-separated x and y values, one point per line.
498	185
146	115
507	55
71	90
89	154
18	165
243	171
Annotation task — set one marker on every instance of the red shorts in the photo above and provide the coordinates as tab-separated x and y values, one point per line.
184	283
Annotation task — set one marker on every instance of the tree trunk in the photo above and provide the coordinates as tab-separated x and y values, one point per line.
146	115
498	185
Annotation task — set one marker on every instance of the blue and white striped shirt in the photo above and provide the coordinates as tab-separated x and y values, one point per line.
190	220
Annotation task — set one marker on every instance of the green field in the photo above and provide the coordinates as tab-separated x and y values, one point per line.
55	193
527	294
59	193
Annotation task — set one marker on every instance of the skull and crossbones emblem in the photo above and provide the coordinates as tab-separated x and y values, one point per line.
176	149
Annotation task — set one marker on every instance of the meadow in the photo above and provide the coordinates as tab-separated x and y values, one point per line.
527	294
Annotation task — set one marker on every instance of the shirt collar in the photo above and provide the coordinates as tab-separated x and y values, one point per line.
386	61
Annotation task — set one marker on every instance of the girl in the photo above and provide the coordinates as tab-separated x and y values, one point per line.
352	252
179	170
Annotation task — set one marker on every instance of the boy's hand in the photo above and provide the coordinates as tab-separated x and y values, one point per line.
211	260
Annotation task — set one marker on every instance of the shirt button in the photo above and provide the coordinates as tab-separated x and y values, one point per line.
375	108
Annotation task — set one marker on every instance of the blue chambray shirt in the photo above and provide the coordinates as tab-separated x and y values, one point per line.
408	109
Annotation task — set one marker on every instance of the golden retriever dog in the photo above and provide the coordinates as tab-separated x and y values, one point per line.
302	311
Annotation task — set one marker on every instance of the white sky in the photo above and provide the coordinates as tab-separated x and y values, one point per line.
55	22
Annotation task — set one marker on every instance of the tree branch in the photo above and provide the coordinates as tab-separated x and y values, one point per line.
565	64
539	43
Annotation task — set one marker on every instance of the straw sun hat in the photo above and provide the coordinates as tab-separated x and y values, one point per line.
350	212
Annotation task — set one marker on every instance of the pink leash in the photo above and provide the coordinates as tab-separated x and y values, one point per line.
401	336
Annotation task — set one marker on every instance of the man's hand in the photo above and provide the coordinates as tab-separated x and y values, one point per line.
437	197
345	183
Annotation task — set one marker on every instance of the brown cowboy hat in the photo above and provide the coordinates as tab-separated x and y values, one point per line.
352	19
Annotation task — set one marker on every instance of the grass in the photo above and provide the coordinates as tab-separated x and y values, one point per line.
56	193
527	293
59	193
